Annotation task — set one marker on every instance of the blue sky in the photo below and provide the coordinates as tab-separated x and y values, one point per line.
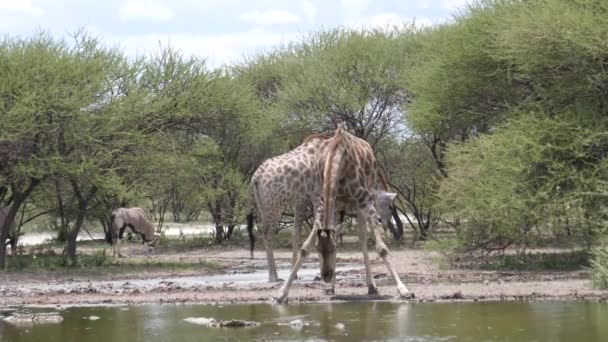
221	31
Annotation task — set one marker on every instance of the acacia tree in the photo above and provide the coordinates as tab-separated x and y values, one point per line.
413	174
332	76
349	76
517	99
210	119
62	101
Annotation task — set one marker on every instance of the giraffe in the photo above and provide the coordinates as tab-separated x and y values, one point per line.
282	181
346	174
287	180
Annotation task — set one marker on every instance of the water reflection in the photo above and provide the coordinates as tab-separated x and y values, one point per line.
542	321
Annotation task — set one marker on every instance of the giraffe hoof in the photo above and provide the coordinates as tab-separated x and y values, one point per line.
382	250
278	300
410	295
372	290
404	293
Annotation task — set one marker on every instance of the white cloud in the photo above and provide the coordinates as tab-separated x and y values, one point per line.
454	4
21	6
141	9
425	22
217	49
355	5
386	19
269	17
310	11
389	20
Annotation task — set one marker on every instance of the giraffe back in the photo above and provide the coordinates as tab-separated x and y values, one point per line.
288	178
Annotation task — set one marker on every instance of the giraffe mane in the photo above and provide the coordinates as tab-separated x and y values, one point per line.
328	181
322	136
383	179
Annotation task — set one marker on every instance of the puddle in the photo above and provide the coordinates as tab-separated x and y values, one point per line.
258	278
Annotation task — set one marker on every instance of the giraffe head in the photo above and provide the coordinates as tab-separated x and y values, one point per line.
326	247
384	203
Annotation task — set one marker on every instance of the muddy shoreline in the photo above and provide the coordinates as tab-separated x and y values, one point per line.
240	279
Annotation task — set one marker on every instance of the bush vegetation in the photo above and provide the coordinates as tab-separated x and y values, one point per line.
493	124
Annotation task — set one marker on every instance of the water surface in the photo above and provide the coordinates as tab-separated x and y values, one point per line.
371	321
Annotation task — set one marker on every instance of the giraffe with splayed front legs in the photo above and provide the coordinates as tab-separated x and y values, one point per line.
346	175
287	180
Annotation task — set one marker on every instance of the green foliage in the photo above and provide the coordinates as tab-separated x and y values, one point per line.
560	261
556	51
458	87
495	121
339	75
518	88
98	262
412	173
599	266
536	172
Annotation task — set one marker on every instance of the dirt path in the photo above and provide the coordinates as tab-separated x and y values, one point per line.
241	279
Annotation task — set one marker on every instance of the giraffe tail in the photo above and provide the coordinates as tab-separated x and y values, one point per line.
250	219
251	216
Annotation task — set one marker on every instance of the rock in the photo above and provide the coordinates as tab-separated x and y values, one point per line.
237	323
296	323
340	326
211	322
199	320
33	318
93	318
457	295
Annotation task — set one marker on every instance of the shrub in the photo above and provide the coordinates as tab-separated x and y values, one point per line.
599	266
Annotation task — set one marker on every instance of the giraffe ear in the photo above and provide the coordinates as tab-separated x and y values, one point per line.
339	228
387	196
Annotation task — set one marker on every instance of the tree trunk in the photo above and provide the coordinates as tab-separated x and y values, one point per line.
219	233
17	198
230	231
218	219
70	250
72	235
4	230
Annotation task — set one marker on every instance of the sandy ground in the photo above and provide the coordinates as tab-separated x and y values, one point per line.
241	279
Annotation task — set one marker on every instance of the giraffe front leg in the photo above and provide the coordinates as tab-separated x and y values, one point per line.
376	224
372	289
304	252
297	232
